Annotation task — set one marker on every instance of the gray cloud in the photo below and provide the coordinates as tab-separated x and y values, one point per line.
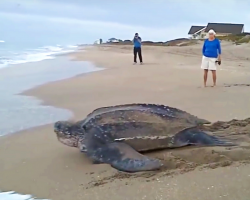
154	19
153	13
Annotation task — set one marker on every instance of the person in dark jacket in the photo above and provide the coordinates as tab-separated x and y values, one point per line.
137	48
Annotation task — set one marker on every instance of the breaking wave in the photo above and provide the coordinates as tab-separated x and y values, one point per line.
15	196
33	55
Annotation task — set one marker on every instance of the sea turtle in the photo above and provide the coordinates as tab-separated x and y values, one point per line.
117	135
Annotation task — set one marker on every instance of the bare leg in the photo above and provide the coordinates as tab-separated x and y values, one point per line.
205	77
214	77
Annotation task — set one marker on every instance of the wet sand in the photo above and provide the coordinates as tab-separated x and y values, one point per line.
34	162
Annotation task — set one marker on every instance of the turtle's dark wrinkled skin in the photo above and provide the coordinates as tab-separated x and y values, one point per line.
117	135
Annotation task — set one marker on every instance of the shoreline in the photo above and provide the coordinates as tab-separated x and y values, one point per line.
173	79
22	77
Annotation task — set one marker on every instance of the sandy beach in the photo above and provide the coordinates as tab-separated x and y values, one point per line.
34	162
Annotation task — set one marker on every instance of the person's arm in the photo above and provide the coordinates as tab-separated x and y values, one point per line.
219	50
139	39
204	47
133	41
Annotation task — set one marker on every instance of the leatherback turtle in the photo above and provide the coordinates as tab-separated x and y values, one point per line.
117	135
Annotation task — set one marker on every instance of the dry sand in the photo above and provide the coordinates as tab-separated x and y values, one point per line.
33	161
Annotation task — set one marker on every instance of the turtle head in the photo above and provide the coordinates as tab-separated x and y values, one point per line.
69	133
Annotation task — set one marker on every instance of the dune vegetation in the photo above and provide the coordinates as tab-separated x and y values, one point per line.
236	38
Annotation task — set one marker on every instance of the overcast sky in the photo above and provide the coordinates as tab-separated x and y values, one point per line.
153	19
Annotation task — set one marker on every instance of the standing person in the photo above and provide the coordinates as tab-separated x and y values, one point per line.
211	56
137	48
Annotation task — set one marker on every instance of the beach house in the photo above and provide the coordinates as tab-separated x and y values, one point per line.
111	40
196	32
97	42
221	29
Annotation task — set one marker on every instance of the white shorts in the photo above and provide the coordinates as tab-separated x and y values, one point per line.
208	63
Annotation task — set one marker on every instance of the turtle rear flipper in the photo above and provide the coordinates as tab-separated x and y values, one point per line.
194	136
124	158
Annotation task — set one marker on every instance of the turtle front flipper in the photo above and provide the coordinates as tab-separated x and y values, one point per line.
101	147
124	158
194	136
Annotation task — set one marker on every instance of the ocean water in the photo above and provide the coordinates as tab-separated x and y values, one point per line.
26	63
19	112
29	45
18	52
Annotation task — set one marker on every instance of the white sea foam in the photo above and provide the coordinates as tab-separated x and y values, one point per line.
15	196
34	55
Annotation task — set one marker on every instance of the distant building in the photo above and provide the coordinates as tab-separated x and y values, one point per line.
221	29
224	29
196	32
97	41
111	40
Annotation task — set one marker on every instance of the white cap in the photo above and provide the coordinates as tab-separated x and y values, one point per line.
211	31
